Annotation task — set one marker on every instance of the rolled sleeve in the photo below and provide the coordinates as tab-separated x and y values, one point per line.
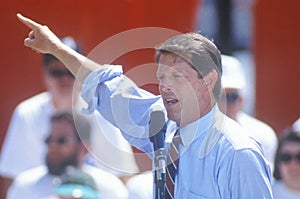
120	101
90	84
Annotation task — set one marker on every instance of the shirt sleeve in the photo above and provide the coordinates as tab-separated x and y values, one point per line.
122	103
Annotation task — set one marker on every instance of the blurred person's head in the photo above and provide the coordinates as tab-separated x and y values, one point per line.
77	184
59	81
189	74
67	140
287	159
234	85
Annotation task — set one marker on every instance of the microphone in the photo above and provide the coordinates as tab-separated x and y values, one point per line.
157	131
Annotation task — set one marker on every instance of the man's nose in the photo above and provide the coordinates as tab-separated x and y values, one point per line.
164	88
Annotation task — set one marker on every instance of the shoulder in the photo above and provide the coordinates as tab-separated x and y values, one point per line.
254	124
235	144
35	102
141	185
33	183
96	172
109	185
225	137
277	184
141	181
39	98
279	190
102	176
236	136
31	175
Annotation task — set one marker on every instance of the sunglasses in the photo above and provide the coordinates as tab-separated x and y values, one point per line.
60	73
232	97
60	140
286	158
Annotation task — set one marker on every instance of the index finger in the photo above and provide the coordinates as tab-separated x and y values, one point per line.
28	22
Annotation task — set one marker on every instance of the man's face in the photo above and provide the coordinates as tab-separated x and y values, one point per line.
63	148
181	88
59	80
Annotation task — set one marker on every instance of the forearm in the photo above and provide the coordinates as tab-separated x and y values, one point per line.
78	64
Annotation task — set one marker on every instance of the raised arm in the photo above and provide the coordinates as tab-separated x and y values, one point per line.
43	40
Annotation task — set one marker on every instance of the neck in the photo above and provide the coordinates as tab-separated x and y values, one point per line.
203	112
64	100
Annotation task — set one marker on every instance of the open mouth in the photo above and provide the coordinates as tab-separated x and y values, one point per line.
170	101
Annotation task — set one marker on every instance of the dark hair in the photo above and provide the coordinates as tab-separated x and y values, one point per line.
69	41
289	135
79	122
199	51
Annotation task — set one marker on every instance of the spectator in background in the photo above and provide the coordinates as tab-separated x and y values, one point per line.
66	147
287	166
24	146
232	103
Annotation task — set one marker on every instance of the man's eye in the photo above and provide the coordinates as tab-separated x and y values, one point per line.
177	75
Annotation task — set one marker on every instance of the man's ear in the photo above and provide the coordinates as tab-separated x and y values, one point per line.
210	79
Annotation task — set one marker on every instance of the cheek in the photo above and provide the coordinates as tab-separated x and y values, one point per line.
283	169
50	81
190	95
199	90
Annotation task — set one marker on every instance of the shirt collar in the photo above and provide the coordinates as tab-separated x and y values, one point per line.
207	127
192	131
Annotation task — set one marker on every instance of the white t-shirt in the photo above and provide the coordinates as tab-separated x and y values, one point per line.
24	146
37	183
262	133
141	186
280	191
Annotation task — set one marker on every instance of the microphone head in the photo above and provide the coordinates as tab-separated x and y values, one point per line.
157	122
157	127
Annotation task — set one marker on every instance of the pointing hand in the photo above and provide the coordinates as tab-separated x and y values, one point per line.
40	38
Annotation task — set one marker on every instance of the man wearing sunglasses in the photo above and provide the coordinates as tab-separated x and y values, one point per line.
24	148
287	166
232	103
66	148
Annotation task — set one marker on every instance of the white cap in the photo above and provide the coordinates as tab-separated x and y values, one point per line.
296	125
233	74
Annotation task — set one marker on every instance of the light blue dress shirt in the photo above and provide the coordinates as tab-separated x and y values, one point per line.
217	159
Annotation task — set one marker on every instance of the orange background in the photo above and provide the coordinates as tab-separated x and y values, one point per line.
89	22
277	53
276	47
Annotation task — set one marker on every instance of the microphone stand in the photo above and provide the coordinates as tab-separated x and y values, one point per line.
160	173
157	129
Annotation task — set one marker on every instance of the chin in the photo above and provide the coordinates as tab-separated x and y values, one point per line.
173	117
